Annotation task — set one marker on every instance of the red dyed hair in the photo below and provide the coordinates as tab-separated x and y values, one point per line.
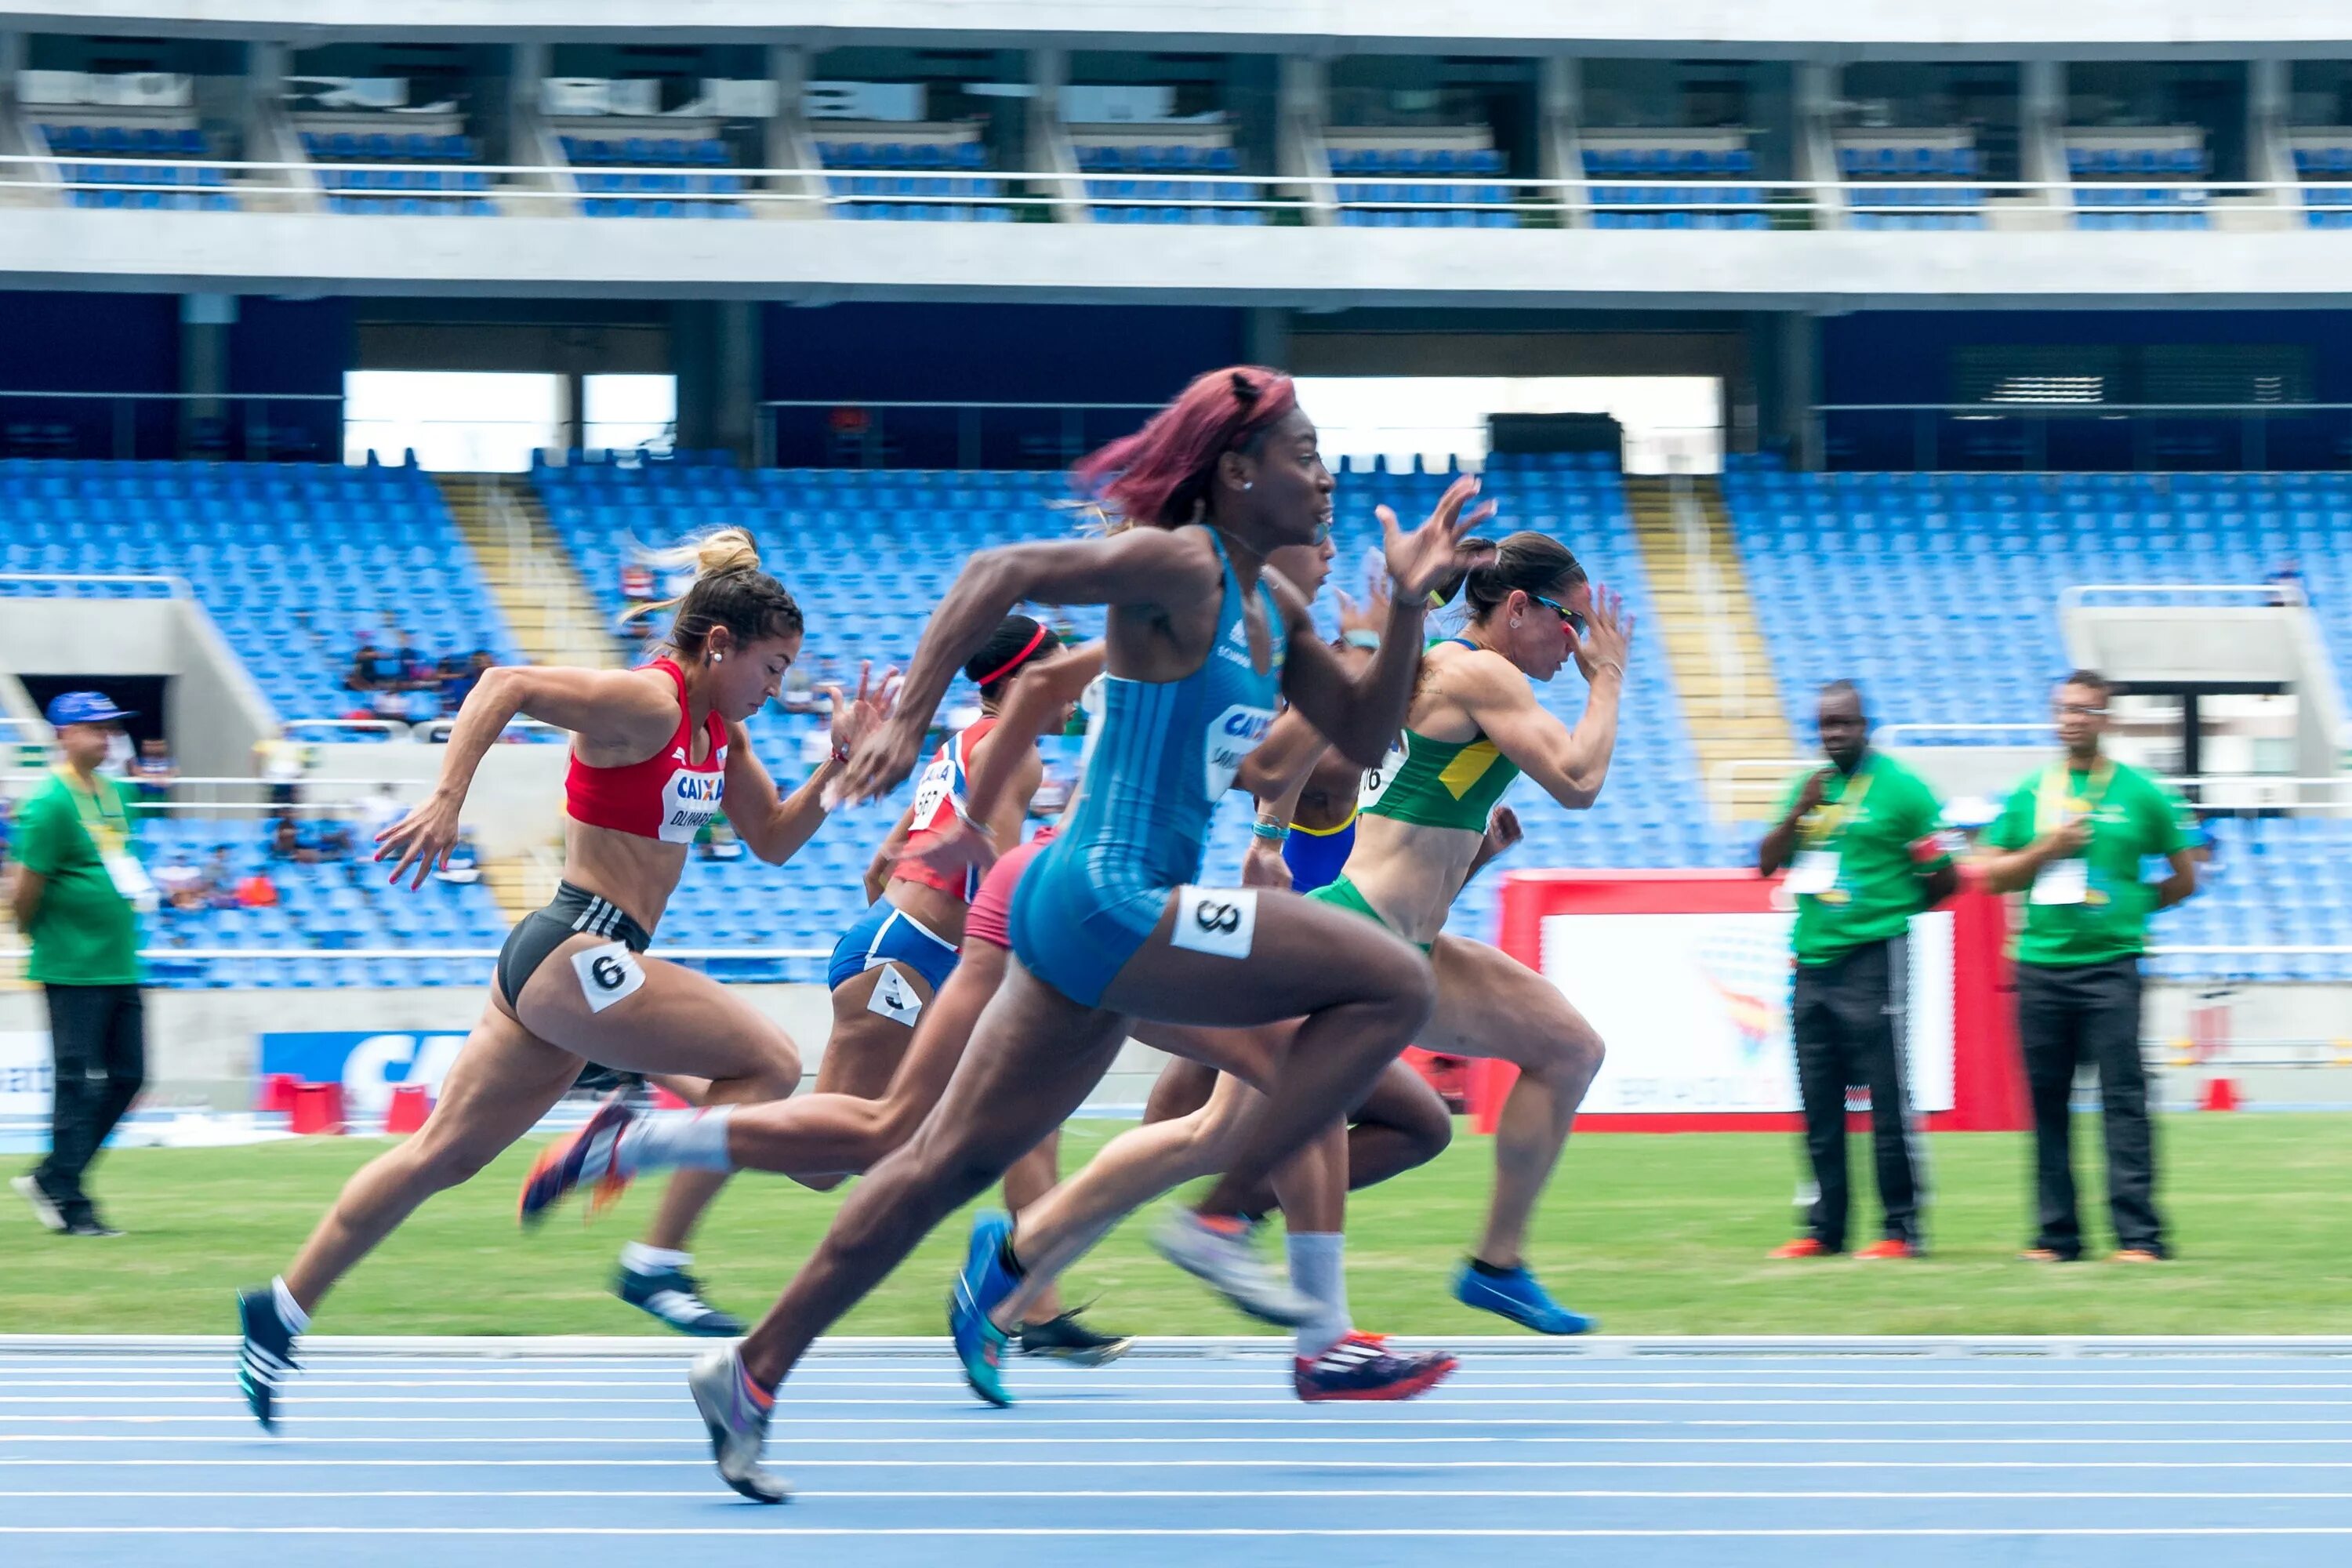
1159	475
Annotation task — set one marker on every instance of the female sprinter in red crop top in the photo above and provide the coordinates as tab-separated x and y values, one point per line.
656	752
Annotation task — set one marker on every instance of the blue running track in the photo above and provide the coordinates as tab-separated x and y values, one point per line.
1604	1454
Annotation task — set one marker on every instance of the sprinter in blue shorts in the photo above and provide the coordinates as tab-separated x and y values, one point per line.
1108	923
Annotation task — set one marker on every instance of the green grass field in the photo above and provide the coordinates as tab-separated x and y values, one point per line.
1656	1235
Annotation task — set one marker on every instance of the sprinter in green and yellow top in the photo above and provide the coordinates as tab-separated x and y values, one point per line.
1474	726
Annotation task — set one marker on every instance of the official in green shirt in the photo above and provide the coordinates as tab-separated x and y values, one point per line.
78	894
1863	844
2072	839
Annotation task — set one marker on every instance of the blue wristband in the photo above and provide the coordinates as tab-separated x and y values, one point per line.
1276	831
1363	637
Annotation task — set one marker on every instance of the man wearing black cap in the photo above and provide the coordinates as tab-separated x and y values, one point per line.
77	895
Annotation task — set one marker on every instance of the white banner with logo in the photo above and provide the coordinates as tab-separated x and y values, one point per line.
27	1077
1695	1009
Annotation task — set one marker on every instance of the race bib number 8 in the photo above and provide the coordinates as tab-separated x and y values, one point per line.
609	973
1219	921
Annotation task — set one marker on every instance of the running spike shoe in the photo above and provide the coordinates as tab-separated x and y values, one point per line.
984	1283
1220	1255
1518	1297
582	1157
737	1416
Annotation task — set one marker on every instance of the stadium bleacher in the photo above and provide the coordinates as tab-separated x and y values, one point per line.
1405	180
1688	162
920	181
1938	592
167	178
1138	171
293	561
429	189
668	177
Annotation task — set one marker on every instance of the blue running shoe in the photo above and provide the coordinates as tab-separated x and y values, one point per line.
979	1343
1518	1296
266	1353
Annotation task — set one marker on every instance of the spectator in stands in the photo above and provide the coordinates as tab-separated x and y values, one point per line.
2287	586
153	775
332	841
464	864
800	692
718	841
220	881
637	583
78	894
279	759
2073	837
286	842
368	669
1864	845
182	883
257	891
456	677
380	810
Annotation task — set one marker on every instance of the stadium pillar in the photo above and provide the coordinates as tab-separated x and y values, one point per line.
1784	354
1265	332
204	322
715	353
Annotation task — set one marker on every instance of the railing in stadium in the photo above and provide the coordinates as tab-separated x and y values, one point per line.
1957	436
252	435
1283	199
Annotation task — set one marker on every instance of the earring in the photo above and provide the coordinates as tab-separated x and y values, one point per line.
1249	484
721	659
1515	621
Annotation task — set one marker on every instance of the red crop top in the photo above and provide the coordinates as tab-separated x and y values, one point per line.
668	796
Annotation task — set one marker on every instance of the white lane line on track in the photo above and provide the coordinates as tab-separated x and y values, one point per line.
787	1529
1222	1494
967	1416
74	1371
943	1396
1876	1465
1336	1439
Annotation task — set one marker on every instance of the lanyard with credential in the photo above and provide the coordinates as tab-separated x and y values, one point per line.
108	829
2054	797
1830	818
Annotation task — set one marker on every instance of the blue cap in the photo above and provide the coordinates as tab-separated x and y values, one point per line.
83	708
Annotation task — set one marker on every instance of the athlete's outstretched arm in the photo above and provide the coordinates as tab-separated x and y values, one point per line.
624	709
1361	715
1569	764
1005	769
775	827
1137	567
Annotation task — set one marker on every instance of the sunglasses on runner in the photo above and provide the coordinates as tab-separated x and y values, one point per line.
1575	622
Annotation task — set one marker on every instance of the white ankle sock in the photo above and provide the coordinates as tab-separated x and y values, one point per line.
639	1259
289	1311
687	1139
1318	1269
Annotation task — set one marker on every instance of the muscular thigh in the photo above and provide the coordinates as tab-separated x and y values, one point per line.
868	1043
945	1029
1491	1005
1251	1055
1035	1056
504	1079
1256	956
671	1020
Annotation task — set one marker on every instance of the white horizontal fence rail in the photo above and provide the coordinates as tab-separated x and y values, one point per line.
177	586
2055	202
2076	597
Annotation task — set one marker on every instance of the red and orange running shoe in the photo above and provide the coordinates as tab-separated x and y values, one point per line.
1361	1366
585	1157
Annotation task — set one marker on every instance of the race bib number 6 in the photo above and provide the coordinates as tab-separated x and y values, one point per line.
1219	921
608	972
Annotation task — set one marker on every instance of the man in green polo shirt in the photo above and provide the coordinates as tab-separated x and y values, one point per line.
2072	838
78	894
1863	840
